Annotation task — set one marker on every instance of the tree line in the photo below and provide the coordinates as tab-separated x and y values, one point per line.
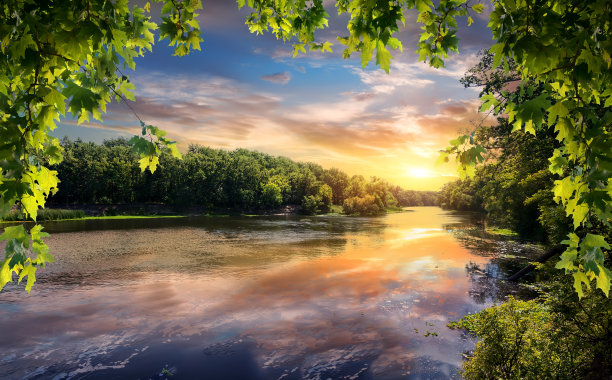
241	179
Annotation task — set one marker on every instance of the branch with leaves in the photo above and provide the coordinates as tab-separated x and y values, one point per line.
61	57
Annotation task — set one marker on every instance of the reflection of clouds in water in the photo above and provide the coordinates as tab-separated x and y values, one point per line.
314	307
348	309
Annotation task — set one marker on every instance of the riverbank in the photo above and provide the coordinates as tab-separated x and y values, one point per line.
137	210
143	210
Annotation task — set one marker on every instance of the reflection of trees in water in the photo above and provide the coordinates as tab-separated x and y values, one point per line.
507	256
504	250
487	286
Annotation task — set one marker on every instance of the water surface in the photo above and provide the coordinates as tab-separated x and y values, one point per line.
275	297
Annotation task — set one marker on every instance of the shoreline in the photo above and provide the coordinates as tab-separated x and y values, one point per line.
151	211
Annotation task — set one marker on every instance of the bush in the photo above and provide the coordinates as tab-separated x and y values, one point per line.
367	205
271	195
515	342
558	337
325	196
311	205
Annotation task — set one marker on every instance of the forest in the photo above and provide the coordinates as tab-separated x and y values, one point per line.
240	180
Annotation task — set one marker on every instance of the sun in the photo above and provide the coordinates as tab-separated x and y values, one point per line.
420	172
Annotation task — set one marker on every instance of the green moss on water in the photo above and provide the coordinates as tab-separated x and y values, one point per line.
501	231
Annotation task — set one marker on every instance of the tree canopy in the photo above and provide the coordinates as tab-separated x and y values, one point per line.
64	57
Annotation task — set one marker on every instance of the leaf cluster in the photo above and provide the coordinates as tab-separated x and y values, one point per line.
65	58
565	88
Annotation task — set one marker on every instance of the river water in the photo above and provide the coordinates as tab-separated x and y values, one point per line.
268	297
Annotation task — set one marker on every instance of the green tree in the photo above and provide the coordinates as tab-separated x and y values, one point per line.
337	180
271	195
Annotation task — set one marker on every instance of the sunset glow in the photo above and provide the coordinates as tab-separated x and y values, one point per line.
420	173
247	91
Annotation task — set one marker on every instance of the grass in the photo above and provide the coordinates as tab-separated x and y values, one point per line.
46	214
501	231
129	217
59	214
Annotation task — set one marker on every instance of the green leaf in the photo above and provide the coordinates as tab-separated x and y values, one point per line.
488	100
558	162
557	110
442	158
6	272
567	260
30	272
594	241
579	279
423	5
383	57
478	8
603	279
15	232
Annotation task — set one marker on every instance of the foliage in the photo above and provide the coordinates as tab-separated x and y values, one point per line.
311	205
565	88
513	342
513	187
558	336
60	57
366	205
271	195
318	203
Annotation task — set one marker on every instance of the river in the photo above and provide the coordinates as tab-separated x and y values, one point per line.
266	297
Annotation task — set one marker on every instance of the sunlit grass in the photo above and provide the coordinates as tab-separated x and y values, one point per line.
501	231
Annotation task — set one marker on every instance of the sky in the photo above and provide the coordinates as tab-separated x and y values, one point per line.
247	91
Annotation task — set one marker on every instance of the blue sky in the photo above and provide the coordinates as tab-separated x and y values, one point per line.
247	91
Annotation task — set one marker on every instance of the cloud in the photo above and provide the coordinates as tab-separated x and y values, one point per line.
401	74
369	122
279	78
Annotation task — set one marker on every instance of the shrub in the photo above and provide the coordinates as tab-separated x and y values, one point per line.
271	195
366	206
514	342
325	196
311	205
558	337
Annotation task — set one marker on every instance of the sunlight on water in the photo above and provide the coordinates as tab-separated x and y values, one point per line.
266	297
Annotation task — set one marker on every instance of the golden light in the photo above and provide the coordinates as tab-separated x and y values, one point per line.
420	173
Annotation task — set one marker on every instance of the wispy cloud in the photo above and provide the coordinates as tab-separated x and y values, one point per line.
376	124
279	78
